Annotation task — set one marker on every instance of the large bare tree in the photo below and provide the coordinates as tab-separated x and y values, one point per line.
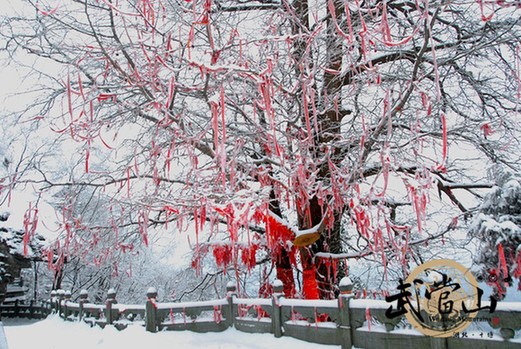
311	130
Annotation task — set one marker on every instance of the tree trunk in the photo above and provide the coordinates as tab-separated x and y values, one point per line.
58	278
283	263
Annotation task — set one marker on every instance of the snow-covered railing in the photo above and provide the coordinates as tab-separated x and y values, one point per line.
32	310
110	313
345	321
372	328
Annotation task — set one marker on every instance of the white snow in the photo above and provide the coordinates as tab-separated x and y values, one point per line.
123	307
345	281
54	333
277	283
305	323
200	304
308	303
252	301
507	306
369	303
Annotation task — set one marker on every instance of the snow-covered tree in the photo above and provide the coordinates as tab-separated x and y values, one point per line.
282	132
497	227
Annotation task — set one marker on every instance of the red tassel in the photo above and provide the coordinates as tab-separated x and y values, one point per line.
310	287
248	256
277	231
217	316
223	255
286	276
502	260
368	318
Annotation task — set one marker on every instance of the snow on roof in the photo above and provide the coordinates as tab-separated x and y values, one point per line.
12	229
14	239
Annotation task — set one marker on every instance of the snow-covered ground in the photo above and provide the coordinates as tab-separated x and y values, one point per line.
54	333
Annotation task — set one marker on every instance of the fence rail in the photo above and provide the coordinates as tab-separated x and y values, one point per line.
346	321
33	310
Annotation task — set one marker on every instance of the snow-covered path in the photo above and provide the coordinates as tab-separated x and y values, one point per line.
54	333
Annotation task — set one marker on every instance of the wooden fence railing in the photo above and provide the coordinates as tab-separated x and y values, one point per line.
346	321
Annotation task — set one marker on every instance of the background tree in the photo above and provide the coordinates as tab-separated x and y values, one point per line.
279	131
497	228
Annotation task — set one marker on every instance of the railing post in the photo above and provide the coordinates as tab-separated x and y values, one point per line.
84	298
346	290
111	299
53	301
61	296
66	298
151	310
276	314
31	309
231	293
16	309
48	305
